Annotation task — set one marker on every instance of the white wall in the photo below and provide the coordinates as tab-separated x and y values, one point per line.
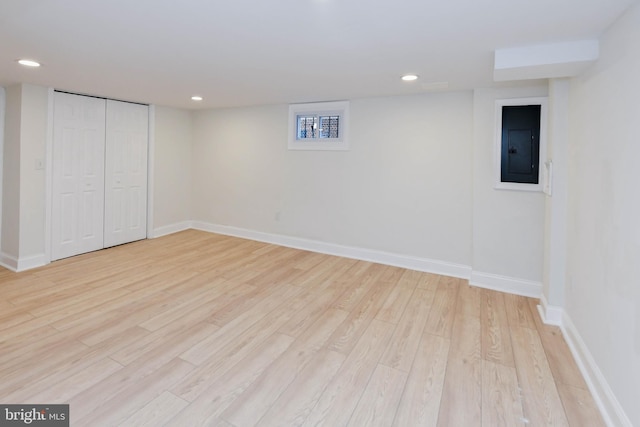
23	205
2	118
172	167
556	217
33	137
603	291
23	239
404	187
417	182
11	176
508	225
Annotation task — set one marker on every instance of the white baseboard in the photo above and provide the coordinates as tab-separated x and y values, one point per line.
550	314
507	284
21	264
610	408
8	262
404	261
170	229
35	261
612	413
483	280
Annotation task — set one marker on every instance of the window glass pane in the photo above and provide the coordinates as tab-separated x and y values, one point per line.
329	126
307	127
319	126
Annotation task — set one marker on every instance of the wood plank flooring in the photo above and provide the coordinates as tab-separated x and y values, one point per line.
198	329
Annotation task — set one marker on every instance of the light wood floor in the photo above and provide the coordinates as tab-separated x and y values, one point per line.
200	329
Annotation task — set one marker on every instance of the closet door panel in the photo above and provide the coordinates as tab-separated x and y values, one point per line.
127	136
78	175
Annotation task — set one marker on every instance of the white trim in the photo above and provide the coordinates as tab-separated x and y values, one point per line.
547	182
507	284
550	314
404	261
498	184
611	410
8	262
27	263
151	149
34	261
340	108
484	280
170	229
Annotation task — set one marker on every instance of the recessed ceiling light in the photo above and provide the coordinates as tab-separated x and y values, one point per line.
196	98
28	63
409	77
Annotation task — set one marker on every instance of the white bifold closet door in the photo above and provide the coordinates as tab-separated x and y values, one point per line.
125	218
78	175
99	188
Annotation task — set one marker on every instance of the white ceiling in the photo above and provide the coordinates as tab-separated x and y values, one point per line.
250	52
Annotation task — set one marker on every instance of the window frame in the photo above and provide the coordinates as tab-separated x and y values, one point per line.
335	108
498	183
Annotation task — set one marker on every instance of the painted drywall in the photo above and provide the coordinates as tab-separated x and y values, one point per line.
507	224
172	167
23	238
11	173
404	186
33	137
556	218
23	204
602	295
2	117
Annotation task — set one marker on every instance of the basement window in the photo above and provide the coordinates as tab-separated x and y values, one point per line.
318	126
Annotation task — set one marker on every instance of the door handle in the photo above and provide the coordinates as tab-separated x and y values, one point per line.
513	150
